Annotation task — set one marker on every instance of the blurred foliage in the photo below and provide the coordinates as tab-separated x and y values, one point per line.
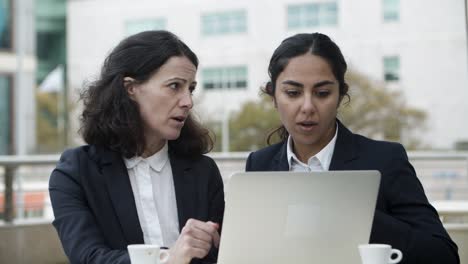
249	128
48	136
461	145
379	112
374	111
215	129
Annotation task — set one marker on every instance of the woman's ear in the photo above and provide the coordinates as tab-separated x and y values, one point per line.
129	84
343	94
270	91
340	99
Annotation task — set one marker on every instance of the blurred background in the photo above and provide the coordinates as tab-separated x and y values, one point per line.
408	73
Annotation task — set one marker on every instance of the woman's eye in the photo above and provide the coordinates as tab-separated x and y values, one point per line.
174	85
322	94
191	89
292	93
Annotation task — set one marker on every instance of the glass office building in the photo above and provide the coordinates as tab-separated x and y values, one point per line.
50	36
5	24
5	79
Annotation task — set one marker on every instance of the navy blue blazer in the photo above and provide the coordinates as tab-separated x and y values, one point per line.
94	206
403	217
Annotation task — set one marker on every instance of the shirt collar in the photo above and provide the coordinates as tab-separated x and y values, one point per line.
324	156
156	161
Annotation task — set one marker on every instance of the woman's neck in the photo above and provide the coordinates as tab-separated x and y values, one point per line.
304	151
153	147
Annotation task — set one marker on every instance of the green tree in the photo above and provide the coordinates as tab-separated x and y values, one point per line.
250	126
47	132
215	129
373	110
382	113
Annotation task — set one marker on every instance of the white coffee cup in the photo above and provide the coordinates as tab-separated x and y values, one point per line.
379	254
147	254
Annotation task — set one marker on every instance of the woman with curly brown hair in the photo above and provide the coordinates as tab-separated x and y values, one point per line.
142	177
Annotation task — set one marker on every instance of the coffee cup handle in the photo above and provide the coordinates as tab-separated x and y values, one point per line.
164	255
398	257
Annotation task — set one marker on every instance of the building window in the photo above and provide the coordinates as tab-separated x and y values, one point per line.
5	115
391	68
224	23
139	25
51	36
225	78
391	10
312	15
5	24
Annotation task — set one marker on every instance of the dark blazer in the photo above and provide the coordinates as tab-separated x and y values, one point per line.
94	206
403	217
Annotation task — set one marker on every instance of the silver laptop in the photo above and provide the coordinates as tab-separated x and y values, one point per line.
295	217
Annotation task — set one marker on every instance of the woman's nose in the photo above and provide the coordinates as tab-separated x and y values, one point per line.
186	100
308	104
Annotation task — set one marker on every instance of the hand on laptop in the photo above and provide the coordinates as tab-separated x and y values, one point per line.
195	241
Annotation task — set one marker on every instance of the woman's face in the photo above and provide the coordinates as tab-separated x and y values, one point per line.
165	99
307	99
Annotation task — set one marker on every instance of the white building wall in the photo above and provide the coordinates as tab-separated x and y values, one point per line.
429	38
24	82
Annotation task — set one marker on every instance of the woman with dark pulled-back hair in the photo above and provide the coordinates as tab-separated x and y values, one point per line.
142	178
307	85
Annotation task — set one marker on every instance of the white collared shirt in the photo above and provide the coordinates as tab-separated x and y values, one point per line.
153	188
319	162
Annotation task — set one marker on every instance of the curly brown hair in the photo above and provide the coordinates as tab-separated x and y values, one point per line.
112	120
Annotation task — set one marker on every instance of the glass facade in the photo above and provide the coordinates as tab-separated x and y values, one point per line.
225	78
51	36
391	10
312	15
224	23
5	24
135	26
391	68
5	114
51	52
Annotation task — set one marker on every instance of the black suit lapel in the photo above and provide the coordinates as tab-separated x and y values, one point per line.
121	195
184	189
345	149
280	160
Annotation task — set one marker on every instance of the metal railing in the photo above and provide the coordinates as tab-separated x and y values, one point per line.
444	175
10	165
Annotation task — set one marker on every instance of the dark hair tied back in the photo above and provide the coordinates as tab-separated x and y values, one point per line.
314	43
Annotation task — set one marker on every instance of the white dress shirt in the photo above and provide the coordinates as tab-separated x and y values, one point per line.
153	189
319	162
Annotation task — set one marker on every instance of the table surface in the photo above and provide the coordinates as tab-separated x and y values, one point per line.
451	207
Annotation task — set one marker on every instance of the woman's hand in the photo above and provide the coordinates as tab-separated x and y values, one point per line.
195	241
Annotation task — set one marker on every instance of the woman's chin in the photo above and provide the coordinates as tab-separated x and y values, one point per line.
173	136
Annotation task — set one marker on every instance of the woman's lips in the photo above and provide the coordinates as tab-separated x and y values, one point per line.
180	120
307	125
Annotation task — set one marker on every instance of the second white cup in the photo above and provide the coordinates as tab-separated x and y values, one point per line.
379	254
147	254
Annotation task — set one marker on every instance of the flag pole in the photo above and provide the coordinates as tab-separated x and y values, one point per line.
60	110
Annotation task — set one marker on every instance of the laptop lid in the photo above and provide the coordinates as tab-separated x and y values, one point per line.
296	217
